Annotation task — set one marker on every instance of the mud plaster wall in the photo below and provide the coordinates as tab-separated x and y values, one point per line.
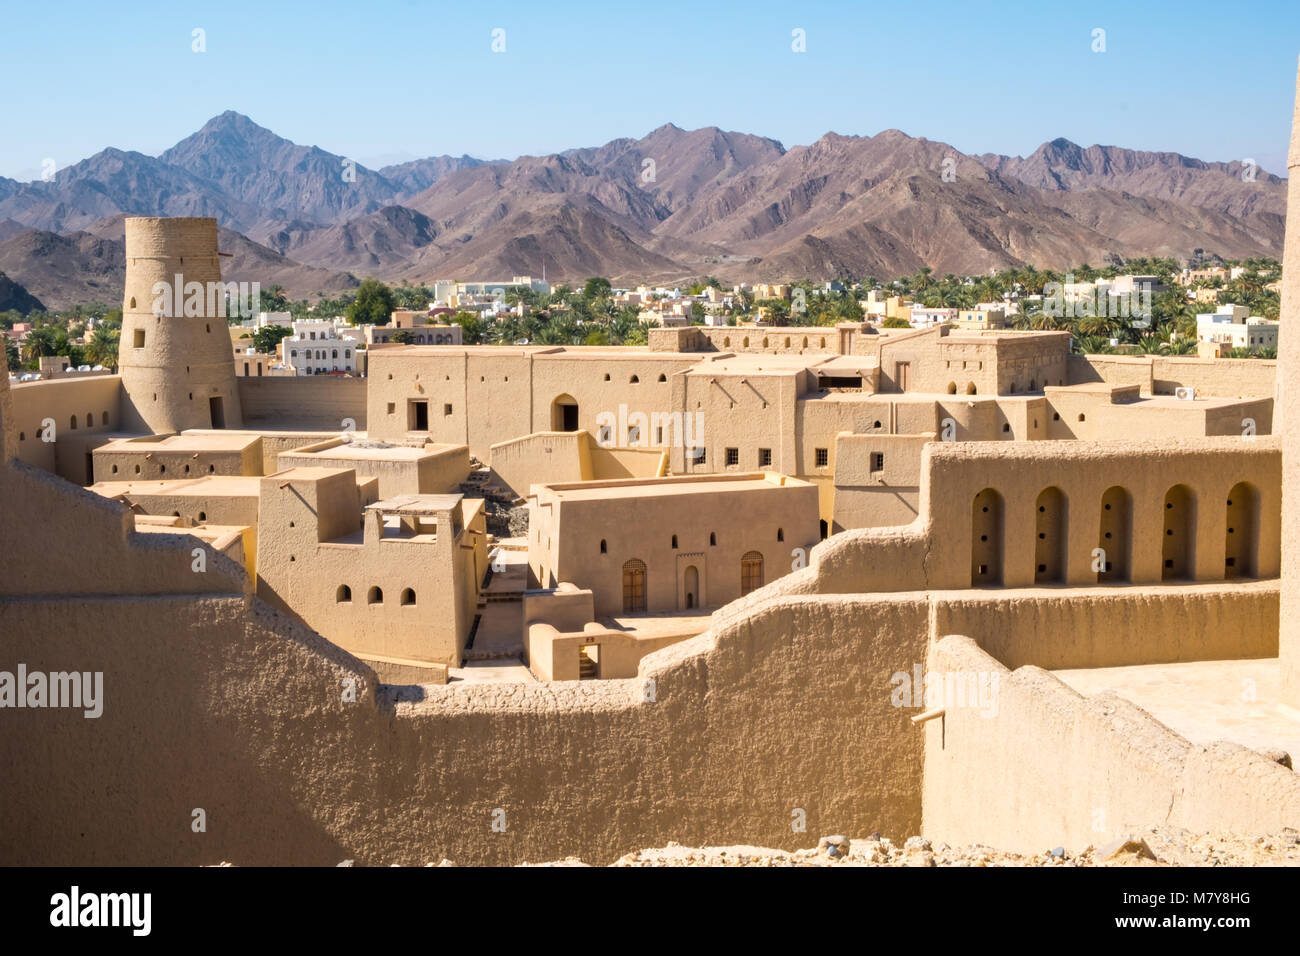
1049	767
257	734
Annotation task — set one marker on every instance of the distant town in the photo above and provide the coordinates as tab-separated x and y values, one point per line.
1150	306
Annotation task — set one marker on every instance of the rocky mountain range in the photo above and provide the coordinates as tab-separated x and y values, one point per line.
673	205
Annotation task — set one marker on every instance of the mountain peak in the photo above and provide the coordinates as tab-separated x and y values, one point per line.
230	119
1062	143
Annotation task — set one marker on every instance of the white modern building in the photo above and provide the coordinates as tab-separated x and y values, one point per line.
924	318
318	348
1230	328
444	289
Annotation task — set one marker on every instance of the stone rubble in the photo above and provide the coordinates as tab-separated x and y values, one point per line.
1157	846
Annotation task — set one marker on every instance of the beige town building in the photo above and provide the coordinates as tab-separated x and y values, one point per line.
715	538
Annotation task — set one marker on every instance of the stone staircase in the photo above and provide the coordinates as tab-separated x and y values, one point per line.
506	514
477	484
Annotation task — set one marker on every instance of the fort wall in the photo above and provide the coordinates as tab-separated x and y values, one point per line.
1160	375
306	401
91	403
257	716
1048	767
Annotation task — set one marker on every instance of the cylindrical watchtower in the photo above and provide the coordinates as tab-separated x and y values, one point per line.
175	357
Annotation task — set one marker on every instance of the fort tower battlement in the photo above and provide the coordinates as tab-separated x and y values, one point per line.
174	357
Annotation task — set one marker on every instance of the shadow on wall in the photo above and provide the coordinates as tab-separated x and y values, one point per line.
257	705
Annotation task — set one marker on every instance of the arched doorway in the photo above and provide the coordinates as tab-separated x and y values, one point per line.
751	571
1051	521
692	586
564	414
1180	534
1115	538
1241	537
634	573
986	539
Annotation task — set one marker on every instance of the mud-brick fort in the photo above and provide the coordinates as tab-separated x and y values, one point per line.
507	603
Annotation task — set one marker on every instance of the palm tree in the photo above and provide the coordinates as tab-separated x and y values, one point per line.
102	348
987	290
1092	345
1151	343
41	342
1101	326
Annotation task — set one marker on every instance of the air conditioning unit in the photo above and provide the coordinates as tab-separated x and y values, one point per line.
1185	394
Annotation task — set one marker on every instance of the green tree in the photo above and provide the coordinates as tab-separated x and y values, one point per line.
41	342
268	337
372	305
778	310
403	337
412	296
894	322
473	328
1092	345
12	358
597	287
273	299
103	345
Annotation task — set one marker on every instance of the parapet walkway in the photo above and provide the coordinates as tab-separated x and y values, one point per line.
1205	701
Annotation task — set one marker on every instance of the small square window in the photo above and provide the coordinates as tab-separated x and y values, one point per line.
392	408
877	461
733	456
823	457
764	457
446	409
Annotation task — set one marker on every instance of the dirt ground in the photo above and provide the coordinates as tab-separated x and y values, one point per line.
1158	846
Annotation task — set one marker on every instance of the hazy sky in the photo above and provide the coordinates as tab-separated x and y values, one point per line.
387	80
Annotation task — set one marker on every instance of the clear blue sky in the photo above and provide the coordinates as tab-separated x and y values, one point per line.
387	80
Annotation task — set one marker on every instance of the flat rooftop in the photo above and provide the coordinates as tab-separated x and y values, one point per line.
416	504
1102	388
291	431
743	363
374	451
207	486
202	441
603	352
1009	335
671	486
1200	402
1205	701
681	624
